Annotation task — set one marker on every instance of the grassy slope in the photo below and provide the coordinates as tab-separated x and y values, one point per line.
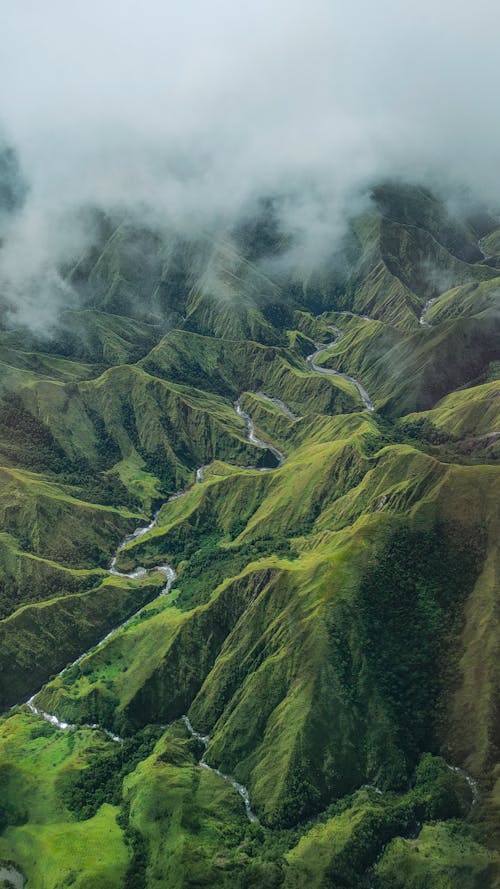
402	264
229	367
36	761
327	582
404	374
38	640
161	818
443	857
291	637
473	411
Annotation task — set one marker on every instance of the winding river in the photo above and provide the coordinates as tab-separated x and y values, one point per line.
243	792
311	361
139	572
258	442
170	576
8	872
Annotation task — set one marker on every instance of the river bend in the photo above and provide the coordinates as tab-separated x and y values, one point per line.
311	361
170	576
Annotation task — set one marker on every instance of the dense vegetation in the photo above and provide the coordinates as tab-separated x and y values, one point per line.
333	628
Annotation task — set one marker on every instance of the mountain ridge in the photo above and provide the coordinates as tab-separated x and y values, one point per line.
331	626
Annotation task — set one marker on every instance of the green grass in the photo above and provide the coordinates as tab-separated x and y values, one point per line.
173	821
78	855
471	413
36	762
228	367
38	640
445	856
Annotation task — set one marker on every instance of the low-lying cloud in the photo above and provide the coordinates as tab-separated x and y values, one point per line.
188	113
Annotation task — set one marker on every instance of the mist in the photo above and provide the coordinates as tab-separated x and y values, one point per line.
187	114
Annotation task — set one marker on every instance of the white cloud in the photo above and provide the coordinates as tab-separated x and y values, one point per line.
194	108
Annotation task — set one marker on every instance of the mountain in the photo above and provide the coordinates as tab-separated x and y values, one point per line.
249	561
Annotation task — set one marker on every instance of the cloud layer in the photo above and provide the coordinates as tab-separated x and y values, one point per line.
190	111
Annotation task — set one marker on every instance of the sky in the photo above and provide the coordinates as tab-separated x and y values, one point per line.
190	111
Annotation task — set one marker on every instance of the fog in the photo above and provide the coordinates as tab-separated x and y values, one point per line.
187	113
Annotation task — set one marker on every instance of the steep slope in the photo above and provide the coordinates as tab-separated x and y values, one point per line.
279	677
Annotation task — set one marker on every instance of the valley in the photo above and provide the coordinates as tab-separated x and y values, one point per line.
249	573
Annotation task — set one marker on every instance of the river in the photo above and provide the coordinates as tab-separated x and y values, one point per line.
311	361
170	576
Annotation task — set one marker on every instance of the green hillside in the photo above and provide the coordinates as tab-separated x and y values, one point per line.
249	562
